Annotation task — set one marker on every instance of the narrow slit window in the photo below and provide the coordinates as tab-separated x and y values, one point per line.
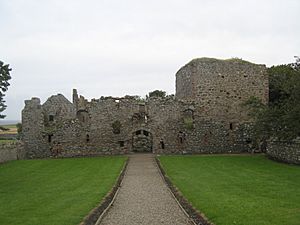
162	144
181	140
50	138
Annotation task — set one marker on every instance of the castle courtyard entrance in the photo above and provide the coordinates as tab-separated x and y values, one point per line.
142	141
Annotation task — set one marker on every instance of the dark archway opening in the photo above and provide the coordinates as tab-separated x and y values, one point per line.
142	141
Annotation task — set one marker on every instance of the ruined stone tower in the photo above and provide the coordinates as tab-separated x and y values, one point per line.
220	87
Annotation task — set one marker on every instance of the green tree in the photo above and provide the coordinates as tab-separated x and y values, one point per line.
19	130
157	93
4	78
281	117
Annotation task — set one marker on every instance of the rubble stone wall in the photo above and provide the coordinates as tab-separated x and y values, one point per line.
284	151
33	126
11	151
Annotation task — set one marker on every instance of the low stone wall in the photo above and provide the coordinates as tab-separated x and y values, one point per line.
11	151
284	151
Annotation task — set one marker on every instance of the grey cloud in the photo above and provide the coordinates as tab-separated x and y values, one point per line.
111	47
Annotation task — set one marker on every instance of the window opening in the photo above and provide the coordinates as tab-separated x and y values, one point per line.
121	143
162	144
50	138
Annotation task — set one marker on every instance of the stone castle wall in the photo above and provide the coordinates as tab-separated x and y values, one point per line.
33	125
11	151
95	135
284	151
193	122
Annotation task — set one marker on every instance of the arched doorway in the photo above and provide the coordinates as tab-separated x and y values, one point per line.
142	141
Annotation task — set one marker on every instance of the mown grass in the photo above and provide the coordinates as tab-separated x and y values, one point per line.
57	191
244	190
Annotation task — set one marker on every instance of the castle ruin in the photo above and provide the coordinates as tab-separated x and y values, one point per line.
205	116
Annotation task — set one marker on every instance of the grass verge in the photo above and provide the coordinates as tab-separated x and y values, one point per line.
242	190
7	141
56	191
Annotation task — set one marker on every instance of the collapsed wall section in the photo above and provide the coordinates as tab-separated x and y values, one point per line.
123	125
58	108
102	126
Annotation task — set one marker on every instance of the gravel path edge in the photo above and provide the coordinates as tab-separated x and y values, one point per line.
95	215
197	217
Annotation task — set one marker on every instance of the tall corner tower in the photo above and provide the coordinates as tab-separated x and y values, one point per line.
220	87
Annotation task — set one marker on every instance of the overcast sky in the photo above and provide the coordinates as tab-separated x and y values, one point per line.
118	47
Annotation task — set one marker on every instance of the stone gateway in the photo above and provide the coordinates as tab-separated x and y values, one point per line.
205	116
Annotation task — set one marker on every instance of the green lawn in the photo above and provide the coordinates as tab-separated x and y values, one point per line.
244	190
56	191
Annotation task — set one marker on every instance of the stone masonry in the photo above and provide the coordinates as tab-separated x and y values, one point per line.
205	116
11	151
284	151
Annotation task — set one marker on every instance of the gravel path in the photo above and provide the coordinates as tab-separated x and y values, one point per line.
144	198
